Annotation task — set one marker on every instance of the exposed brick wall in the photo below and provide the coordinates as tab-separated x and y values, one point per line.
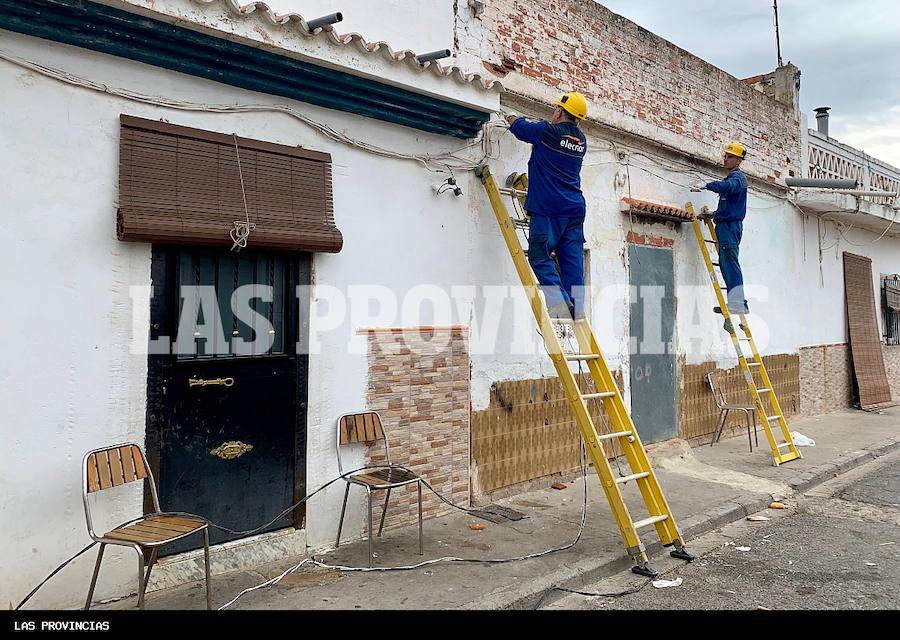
650	240
580	45
826	383
419	384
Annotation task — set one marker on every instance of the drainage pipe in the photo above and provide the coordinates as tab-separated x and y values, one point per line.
825	184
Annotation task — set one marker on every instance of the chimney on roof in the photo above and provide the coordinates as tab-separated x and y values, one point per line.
822	119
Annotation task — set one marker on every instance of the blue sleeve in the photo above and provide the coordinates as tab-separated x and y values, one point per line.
528	131
731	184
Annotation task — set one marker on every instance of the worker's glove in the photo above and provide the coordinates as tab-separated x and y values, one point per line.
510	117
698	185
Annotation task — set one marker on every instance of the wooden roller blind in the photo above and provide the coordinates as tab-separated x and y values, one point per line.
865	342
183	186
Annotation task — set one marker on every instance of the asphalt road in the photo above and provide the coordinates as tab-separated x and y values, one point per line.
835	548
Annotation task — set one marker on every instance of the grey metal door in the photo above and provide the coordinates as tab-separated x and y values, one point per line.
652	352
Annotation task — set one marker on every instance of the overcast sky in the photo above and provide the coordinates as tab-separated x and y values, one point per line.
848	52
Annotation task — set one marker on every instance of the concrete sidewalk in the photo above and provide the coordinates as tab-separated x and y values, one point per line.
706	487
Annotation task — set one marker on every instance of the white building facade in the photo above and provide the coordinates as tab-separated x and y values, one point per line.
416	312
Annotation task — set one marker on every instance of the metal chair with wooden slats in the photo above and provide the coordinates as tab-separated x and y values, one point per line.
367	427
120	464
717	384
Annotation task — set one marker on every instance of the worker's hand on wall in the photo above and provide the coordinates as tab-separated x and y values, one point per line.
511	117
698	185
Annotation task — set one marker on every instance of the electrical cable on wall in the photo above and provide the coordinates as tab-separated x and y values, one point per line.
435	163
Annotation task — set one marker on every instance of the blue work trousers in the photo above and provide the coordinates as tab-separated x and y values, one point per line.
565	235
729	236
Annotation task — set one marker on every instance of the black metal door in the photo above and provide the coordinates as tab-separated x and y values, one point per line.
230	399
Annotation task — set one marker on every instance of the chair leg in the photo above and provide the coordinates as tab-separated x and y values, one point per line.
153	553
755	435
369	494
421	548
87	605
206	562
720	423
140	554
337	542
384	511
749	437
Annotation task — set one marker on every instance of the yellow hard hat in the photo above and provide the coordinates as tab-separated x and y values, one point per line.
575	104
736	149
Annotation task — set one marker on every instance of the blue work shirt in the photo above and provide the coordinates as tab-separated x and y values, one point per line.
732	197
554	169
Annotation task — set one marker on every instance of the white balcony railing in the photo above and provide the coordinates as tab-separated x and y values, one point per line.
829	159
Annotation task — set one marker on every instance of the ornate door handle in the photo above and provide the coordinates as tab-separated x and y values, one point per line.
200	382
231	450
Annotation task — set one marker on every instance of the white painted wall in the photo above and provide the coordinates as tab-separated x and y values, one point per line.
69	383
791	304
404	24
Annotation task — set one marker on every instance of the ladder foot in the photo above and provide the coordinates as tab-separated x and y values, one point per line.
681	554
644	569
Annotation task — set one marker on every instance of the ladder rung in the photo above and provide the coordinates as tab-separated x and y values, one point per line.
762	390
582	356
648	521
712	241
633	476
754	364
603	394
617	434
770	418
784	444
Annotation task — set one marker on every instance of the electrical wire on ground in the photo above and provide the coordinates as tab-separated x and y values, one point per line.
593	595
338	567
424	563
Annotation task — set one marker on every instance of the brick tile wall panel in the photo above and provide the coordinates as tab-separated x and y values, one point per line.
826	383
580	45
892	368
421	390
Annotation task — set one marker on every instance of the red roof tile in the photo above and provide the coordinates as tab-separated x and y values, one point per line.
653	210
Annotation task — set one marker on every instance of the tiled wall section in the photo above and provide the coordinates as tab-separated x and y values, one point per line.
419	384
826	383
528	432
892	367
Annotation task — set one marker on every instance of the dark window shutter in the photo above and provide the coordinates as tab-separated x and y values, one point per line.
179	185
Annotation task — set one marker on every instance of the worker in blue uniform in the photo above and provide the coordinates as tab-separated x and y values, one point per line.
555	203
729	221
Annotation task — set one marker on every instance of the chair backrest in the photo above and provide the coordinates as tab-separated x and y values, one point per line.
111	467
716	381
364	426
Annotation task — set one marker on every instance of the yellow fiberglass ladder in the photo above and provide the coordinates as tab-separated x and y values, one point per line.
754	362
623	430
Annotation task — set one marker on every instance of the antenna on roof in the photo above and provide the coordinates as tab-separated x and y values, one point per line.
777	37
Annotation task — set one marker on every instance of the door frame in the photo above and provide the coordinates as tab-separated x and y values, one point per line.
164	322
